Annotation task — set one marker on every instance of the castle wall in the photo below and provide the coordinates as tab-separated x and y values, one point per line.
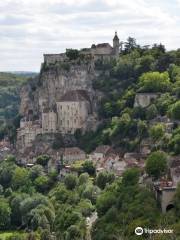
53	58
102	50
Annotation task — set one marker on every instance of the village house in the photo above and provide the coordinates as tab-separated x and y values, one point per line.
134	160
100	153
27	133
73	154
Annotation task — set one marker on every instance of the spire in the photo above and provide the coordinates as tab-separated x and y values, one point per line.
116	36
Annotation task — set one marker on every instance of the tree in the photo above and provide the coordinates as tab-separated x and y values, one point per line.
70	181
85	207
151	112
104	178
36	171
130	45
174	144
175	110
6	173
131	176
163	103
156	164
15	203
42	183
88	167
20	177
5	214
142	129
42	160
157	132
83	178
154	82
72	54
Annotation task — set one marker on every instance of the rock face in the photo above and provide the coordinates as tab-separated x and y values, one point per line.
53	82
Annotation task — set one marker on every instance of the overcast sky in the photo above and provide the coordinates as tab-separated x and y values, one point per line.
29	28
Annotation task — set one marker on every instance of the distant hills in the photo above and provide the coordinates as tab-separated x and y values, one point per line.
10	82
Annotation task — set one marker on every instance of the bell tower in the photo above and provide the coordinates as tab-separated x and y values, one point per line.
116	45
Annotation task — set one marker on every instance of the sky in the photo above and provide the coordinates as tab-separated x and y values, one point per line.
30	28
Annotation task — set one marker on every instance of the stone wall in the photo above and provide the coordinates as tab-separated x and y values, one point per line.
53	58
72	115
144	99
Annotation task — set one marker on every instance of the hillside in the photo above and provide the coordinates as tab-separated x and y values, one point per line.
57	191
10	85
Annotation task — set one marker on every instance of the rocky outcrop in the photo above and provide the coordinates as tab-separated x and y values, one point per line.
53	82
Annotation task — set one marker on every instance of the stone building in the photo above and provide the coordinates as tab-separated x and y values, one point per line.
27	133
145	99
49	121
73	154
73	110
53	58
100	51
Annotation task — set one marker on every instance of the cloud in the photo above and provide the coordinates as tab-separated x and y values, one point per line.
30	28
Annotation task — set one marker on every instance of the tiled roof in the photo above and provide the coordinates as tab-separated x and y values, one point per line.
73	150
102	149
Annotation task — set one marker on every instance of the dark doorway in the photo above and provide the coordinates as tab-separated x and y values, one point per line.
169	207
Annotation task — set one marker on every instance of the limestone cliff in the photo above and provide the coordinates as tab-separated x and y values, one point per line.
53	82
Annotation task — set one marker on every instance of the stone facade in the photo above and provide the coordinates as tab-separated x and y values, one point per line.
73	154
49	122
27	133
53	58
73	110
144	99
164	192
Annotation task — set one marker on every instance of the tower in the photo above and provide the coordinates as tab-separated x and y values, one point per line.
116	45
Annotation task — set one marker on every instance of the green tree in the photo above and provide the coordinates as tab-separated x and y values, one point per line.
175	110
131	176
42	184
72	54
42	160
20	177
70	181
174	143
154	82
89	167
157	132
5	214
151	112
156	164
36	171
104	178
